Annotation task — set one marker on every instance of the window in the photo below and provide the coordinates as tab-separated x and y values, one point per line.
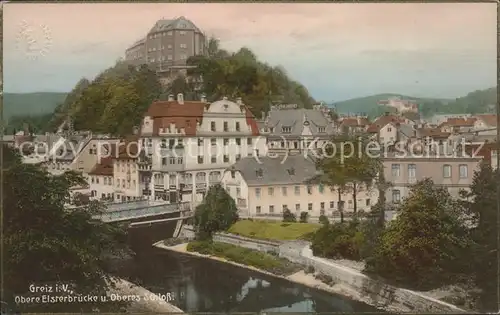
200	142
183	57
332	204
212	126
238	157
249	141
350	204
213	142
226	128
396	196
284	207
309	206
259	173
258	209
321	129
297	207
179	160
213	159
163	161
271	209
291	171
169	46
322	206
226	158
238	192
412	168
171	143
226	141
237	126
309	190
270	191
257	192
182	32
169	57
321	188
286	129
367	202
297	190
283	191
463	170
200	159
396	170
183	45
172	160
238	141
446	171
389	129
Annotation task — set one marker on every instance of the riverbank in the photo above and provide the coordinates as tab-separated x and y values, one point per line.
299	277
145	304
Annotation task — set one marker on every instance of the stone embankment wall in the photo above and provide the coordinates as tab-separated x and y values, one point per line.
379	293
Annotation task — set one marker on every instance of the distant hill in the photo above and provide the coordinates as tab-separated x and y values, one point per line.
30	103
369	104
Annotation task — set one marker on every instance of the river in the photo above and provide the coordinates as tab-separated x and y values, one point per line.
202	285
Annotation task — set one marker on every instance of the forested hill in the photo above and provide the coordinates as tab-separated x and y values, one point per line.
116	99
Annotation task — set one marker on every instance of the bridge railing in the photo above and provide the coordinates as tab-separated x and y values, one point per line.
144	211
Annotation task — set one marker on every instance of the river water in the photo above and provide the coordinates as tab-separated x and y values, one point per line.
203	285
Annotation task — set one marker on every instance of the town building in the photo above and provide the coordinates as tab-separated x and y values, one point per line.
390	129
400	105
452	172
485	121
168	45
353	124
293	129
456	125
266	187
189	144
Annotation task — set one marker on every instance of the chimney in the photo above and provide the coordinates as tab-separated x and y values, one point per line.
239	101
203	98
180	98
170	97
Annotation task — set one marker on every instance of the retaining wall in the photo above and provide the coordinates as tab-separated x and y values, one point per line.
377	292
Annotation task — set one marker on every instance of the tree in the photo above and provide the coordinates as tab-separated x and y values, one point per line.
481	206
288	216
304	216
45	242
427	242
216	213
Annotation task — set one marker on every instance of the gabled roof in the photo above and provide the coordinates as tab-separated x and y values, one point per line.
432	133
296	119
186	115
354	122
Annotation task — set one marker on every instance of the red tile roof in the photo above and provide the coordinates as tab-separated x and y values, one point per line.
381	121
433	133
458	122
355	122
104	167
186	115
490	120
252	122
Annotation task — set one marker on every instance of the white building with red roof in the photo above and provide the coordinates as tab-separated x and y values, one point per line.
189	144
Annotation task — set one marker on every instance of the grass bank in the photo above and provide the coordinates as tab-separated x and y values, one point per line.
267	262
273	230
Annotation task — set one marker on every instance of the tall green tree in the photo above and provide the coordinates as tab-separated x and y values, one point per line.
481	204
217	212
44	242
427	244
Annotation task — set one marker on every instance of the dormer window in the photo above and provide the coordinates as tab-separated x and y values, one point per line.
233	174
321	129
286	129
259	173
291	171
271	129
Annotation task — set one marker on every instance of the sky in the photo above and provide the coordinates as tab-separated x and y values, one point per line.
337	51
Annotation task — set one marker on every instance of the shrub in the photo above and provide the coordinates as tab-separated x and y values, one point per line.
288	216
338	241
304	216
323	219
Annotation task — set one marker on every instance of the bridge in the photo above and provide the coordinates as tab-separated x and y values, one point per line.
148	221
